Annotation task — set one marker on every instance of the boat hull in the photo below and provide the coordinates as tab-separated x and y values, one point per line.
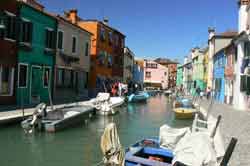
138	97
148	152
184	113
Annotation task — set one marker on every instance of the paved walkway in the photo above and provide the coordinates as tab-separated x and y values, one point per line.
234	123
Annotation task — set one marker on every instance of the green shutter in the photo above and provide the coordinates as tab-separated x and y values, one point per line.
243	83
30	33
248	85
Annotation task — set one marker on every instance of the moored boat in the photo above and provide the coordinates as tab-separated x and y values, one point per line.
148	152
184	113
54	120
138	97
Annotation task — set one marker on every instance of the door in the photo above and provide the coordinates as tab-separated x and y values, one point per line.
36	84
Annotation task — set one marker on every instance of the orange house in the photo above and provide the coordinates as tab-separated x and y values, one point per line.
106	49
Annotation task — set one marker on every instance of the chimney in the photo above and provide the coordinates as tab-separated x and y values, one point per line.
242	15
211	32
105	21
72	15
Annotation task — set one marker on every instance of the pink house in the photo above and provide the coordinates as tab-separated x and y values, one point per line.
155	75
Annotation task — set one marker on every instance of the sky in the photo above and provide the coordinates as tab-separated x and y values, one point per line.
157	28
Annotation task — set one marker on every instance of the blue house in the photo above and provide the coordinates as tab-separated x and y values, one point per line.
219	60
138	73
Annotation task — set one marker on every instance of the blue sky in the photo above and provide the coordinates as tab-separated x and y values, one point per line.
157	28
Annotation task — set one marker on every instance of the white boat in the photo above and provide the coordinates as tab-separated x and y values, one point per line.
106	105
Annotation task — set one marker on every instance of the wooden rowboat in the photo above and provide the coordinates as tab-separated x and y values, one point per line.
184	113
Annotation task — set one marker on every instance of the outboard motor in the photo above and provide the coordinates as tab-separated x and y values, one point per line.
39	113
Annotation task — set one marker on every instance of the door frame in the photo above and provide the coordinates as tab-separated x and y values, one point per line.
32	66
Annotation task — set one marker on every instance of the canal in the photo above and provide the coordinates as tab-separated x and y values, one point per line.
80	146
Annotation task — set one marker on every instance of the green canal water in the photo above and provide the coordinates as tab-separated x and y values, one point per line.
80	146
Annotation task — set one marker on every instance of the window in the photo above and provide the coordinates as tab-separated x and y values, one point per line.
11	27
110	38
26	28
148	74
165	73
23	75
247	49
46	76
102	34
60	77
6	81
50	39
87	49
60	40
110	59
73	44
151	65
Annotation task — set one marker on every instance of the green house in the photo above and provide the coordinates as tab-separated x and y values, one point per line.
179	79
35	57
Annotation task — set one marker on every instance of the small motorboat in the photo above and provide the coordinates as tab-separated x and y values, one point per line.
44	119
149	153
168	92
184	113
106	105
138	97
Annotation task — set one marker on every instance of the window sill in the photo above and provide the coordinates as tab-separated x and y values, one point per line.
10	40
49	51
25	46
6	95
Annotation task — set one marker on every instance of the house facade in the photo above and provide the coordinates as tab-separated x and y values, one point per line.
35	55
128	65
107	50
172	70
242	42
138	72
218	76
187	74
8	56
179	79
72	63
199	62
230	53
155	75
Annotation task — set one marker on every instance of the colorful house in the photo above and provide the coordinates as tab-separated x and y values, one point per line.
216	42
242	65
187	74
36	55
128	62
155	75
179	79
230	73
199	68
8	55
218	76
72	63
138	72
107	50
172	70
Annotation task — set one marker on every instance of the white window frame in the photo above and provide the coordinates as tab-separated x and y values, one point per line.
12	81
46	67
76	48
9	14
28	21
60	30
18	75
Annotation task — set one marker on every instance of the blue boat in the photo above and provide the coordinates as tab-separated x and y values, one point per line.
148	153
138	97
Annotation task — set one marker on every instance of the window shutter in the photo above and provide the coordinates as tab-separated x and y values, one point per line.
46	38
54	40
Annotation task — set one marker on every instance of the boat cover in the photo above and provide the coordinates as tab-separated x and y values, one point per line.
169	136
101	97
195	149
111	147
116	101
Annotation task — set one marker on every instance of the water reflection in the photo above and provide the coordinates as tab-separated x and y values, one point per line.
80	146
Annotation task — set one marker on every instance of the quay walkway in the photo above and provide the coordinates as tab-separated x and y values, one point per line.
14	115
234	123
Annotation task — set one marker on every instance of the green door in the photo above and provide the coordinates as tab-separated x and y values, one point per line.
36	84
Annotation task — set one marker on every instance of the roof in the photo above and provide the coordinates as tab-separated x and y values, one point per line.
65	20
226	34
165	61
